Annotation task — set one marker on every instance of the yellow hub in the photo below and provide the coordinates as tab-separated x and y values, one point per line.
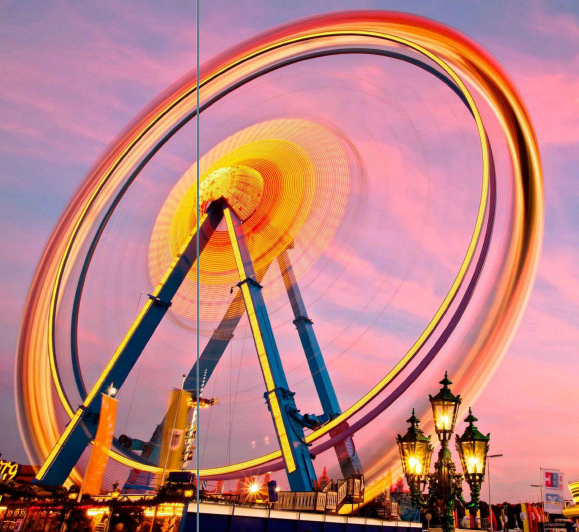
240	186
288	180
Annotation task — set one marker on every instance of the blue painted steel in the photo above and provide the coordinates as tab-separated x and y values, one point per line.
85	429
216	346
348	458
219	341
304	325
207	362
303	478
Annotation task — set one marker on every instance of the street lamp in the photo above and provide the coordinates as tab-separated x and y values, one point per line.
473	448
444	485
444	410
415	452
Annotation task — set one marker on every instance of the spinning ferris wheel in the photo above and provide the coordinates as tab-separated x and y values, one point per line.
252	231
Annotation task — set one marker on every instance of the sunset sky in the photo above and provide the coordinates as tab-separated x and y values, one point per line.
74	74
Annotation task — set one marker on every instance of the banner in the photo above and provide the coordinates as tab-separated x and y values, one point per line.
174	427
552	480
97	464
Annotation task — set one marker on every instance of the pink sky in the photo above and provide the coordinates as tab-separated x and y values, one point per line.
74	75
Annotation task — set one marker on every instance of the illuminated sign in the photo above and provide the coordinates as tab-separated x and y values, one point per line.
8	470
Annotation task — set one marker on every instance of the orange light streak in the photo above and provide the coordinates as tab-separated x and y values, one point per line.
463	61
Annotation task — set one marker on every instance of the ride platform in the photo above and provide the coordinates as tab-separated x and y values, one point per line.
229	518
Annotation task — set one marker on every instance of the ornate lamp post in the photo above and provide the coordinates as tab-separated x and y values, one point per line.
444	485
415	451
473	448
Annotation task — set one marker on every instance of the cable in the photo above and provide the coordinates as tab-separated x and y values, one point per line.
197	244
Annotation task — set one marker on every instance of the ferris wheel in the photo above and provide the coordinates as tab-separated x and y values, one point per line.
283	190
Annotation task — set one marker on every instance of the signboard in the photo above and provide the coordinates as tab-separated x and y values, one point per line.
8	470
174	429
553	500
574	489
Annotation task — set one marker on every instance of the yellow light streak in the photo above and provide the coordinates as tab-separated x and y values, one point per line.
472	245
105	373
516	277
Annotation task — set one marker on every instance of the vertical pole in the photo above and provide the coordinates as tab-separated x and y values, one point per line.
490	507
197	269
184	515
542	498
154	519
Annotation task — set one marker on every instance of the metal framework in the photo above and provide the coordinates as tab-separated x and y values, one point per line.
288	422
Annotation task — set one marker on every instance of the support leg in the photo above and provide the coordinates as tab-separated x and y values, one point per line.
296	456
82	427
345	450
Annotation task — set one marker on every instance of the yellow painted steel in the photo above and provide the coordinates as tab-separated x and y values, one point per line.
97	388
286	449
443	308
280	429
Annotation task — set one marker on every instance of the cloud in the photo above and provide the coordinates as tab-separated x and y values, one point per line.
547	75
559	267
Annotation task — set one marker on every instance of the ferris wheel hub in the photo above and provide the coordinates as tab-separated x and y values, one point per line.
240	186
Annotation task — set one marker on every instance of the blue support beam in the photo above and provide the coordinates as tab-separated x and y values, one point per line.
219	340
312	350
82	427
290	433
345	450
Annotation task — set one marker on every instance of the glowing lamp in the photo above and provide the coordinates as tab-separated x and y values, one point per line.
415	451
111	390
253	488
473	448
444	409
73	492
188	494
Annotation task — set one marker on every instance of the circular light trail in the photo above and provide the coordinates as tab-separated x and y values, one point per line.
306	177
447	54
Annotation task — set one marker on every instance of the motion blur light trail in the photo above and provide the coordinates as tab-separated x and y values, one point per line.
306	173
43	402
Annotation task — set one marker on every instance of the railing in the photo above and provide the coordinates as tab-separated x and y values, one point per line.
332	501
342	492
286	500
333	496
394	510
305	500
321	502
